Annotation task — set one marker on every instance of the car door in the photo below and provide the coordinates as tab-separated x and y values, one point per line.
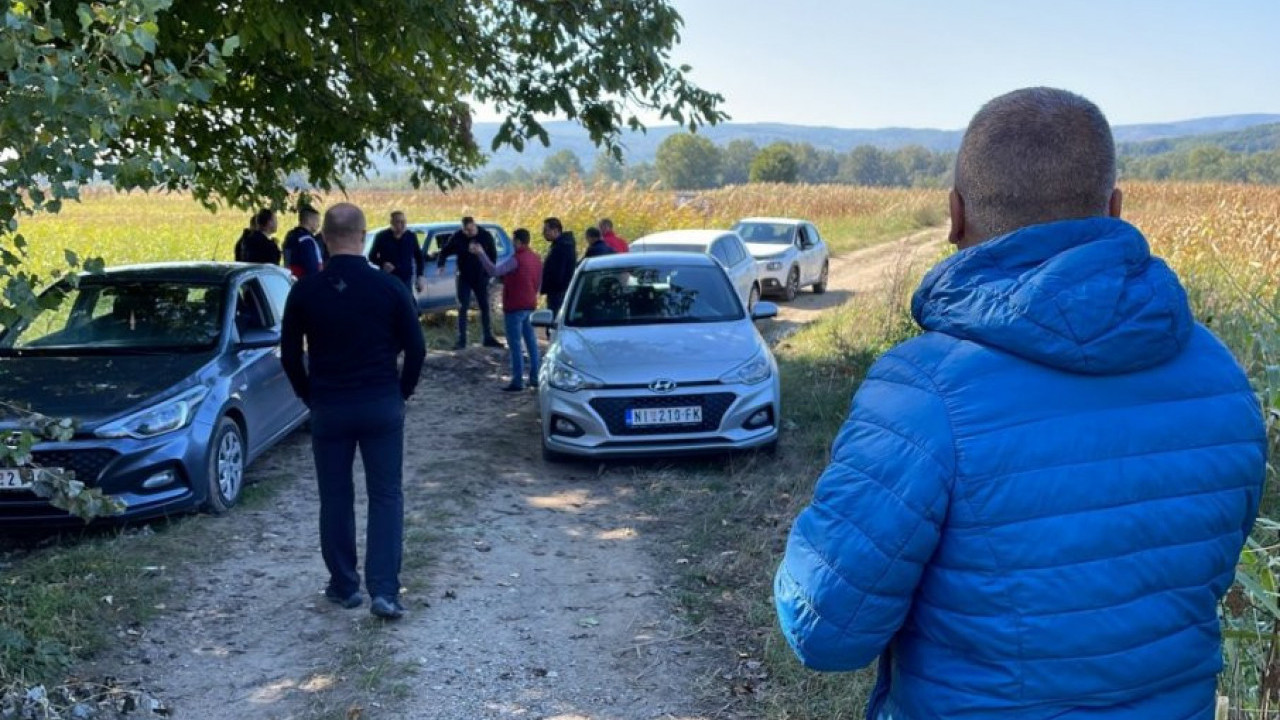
442	289
745	271
818	252
259	383
277	289
804	246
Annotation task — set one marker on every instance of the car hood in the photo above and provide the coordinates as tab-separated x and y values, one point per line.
767	250
90	389
639	354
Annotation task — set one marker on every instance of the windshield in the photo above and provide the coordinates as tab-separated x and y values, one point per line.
764	232
652	294
128	316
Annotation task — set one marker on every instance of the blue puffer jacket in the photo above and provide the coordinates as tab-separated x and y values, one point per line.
1034	508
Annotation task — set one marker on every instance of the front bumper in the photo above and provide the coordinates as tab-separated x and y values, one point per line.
772	281
120	468
599	415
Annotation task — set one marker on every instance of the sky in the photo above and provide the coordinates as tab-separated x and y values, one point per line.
931	64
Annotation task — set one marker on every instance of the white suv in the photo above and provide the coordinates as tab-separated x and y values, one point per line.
789	253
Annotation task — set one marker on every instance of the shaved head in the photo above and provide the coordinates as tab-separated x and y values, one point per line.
1032	156
344	229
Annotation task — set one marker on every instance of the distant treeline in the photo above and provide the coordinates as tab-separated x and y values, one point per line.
692	162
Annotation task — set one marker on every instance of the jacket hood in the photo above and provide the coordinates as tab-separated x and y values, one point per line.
1084	296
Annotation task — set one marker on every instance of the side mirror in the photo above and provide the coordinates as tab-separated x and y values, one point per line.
258	338
764	310
543	319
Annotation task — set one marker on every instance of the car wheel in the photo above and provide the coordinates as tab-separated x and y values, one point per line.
821	286
552	456
226	467
754	297
792	288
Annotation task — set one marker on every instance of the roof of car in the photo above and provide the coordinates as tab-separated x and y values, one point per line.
192	272
681	237
622	260
775	220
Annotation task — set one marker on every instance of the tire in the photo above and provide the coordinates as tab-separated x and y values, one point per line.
226	467
753	297
821	286
792	288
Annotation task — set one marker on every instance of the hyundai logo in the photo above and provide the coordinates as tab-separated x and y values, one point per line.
663	386
13	440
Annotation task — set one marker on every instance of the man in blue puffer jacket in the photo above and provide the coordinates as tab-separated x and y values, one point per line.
1034	508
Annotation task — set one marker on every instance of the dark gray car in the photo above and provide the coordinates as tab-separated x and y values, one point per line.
172	374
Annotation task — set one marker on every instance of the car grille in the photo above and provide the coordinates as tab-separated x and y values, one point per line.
613	410
86	464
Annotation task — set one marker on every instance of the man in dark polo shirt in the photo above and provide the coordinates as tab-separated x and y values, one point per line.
472	280
396	251
355	321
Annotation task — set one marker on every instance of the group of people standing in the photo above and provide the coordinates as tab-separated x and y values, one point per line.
304	252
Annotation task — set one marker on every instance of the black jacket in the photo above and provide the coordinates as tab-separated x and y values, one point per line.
256	247
557	268
599	247
356	321
469	266
403	252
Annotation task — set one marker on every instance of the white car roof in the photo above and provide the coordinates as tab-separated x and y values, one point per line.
775	220
682	237
616	260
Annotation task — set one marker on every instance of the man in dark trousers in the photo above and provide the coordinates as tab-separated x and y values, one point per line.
596	244
521	273
471	278
302	253
258	246
557	268
396	251
355	321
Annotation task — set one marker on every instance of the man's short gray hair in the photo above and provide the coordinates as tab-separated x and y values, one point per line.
1035	155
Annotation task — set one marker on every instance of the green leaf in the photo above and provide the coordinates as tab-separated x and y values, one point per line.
230	45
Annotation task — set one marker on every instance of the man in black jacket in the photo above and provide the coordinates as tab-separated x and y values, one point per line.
355	322
557	268
471	278
596	244
396	251
257	246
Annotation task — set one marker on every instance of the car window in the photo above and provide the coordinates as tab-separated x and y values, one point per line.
802	238
134	315
719	251
736	252
649	294
813	233
252	312
277	287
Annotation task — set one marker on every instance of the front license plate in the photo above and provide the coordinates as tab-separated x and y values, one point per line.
15	479
652	417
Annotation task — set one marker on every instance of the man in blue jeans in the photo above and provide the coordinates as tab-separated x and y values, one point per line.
521	274
355	321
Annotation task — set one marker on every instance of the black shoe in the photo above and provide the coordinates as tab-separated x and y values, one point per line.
492	342
386	608
348	602
513	388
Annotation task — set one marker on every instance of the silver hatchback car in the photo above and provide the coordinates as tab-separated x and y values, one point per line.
654	355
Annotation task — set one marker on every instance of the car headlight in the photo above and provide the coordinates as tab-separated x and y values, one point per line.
753	371
172	414
773	265
565	377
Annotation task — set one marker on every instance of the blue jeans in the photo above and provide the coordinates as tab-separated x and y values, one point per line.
479	288
519	328
376	426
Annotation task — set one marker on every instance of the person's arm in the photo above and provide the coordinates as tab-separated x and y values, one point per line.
855	556
450	248
490	247
291	347
378	252
308	255
500	269
411	341
419	257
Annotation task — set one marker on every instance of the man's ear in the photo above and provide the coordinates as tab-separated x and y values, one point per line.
1117	200
956	236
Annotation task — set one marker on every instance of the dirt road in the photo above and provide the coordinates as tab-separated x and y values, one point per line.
533	589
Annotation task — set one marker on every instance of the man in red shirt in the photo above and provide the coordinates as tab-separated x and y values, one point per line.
611	238
521	275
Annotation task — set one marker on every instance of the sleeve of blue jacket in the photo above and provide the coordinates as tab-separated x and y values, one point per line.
856	554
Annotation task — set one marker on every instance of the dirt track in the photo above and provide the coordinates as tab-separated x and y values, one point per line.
532	588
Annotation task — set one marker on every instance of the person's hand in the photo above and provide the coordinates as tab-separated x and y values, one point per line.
475	248
388	267
422	284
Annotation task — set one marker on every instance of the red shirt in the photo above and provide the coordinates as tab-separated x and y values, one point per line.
618	244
